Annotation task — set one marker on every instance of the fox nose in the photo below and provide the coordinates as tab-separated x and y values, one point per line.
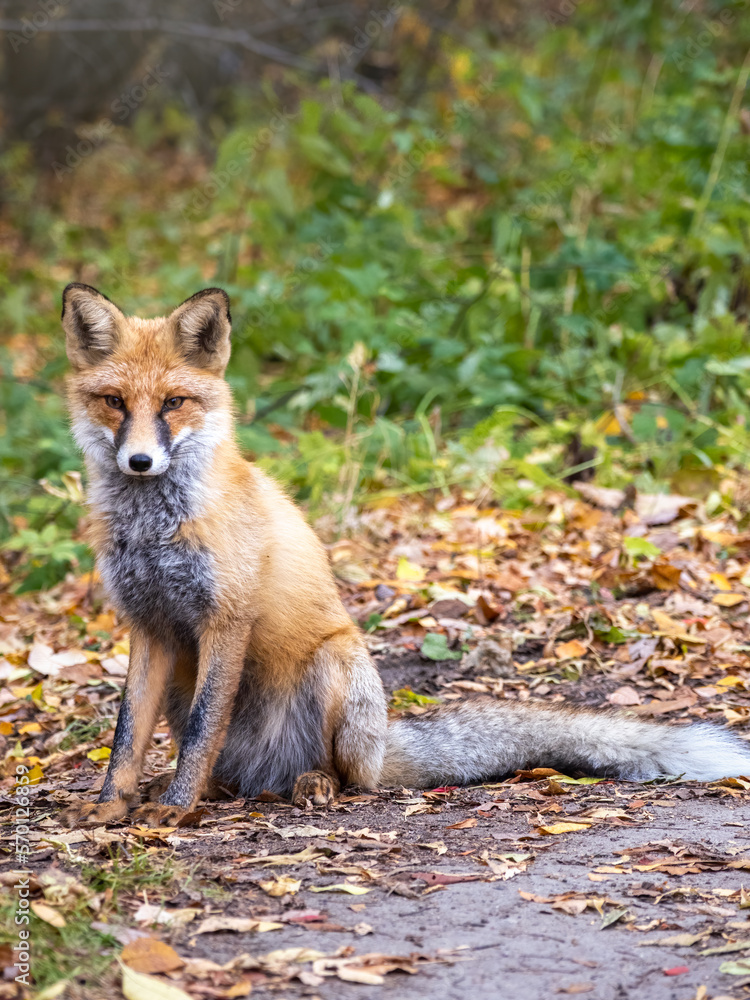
140	463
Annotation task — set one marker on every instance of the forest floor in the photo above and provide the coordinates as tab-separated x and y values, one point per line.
537	885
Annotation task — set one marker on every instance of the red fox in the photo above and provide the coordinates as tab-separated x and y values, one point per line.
237	629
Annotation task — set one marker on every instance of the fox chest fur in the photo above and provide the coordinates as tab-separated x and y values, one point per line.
155	577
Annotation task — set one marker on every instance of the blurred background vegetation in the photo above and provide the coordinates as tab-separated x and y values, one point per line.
469	243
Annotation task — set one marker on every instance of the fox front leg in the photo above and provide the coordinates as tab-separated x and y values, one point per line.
220	661
148	673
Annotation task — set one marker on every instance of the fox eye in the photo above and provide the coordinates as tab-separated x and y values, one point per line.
115	402
174	403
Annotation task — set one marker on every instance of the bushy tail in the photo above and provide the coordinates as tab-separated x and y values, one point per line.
480	740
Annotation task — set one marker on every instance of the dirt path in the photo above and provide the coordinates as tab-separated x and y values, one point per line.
516	946
546	909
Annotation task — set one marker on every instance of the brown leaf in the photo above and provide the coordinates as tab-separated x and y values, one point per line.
444	878
572	650
662	707
624	696
148	954
465	824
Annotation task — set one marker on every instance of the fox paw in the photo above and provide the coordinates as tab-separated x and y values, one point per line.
94	813
316	787
158	814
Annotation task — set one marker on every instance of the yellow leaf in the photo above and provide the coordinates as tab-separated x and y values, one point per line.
608	423
48	914
570	650
6	728
102	623
139	986
21	692
409	571
720	581
121	647
673	630
353	890
100	753
241	989
555	828
281	886
728	600
53	991
35	775
30	727
731	681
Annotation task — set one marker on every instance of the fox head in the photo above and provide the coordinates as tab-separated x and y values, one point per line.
145	394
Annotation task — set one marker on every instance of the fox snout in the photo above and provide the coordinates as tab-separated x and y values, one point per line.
142	461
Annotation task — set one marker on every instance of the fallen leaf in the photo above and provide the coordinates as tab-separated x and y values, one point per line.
444	878
435	647
728	600
678	970
240	925
148	954
738	967
465	824
612	917
409	571
149	913
556	828
308	854
48	914
572	650
281	886
624	696
139	986
42	659
674	941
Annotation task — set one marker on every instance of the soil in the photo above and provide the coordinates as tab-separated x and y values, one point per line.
509	946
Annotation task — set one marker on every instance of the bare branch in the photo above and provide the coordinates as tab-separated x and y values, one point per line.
205	32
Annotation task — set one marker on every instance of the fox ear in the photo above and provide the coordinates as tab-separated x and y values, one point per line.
202	327
91	324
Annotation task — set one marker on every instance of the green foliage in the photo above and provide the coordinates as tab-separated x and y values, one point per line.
435	647
405	698
427	294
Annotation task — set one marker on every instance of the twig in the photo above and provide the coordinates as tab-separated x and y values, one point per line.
206	32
